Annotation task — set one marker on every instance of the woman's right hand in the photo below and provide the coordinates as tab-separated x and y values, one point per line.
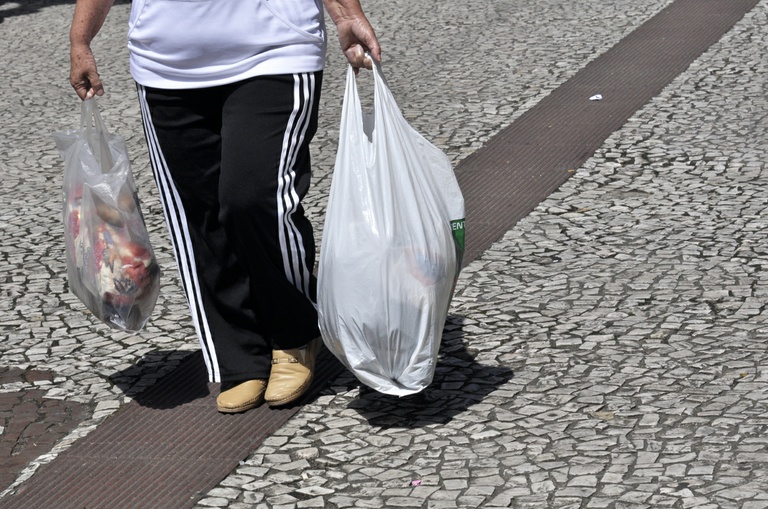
83	75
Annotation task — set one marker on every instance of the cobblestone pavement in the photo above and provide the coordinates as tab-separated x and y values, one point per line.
609	351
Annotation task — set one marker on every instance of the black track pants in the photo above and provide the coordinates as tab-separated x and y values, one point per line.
232	165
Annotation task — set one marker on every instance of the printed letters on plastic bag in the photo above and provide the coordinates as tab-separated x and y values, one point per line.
111	266
391	249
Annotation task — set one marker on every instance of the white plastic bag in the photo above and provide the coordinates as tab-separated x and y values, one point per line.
391	247
111	266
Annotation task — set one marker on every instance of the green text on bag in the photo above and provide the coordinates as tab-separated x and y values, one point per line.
457	228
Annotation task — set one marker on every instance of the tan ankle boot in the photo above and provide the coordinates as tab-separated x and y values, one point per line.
292	372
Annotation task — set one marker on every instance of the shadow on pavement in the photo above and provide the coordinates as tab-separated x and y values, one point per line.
459	383
9	8
165	379
21	7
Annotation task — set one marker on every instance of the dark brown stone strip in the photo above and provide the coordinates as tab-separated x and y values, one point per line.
165	449
31	423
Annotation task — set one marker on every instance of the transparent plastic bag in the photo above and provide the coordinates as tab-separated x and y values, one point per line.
391	249
111	266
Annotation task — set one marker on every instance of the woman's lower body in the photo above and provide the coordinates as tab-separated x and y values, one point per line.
232	165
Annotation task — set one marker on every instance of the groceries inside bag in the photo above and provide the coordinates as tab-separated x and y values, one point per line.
111	266
392	244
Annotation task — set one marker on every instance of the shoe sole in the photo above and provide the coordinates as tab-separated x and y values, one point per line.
239	409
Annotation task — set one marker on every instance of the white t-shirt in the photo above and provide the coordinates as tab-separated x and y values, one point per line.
202	43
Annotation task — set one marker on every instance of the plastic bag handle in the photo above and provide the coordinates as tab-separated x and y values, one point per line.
382	100
96	134
378	72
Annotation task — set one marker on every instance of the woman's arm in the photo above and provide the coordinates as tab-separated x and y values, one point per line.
86	23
